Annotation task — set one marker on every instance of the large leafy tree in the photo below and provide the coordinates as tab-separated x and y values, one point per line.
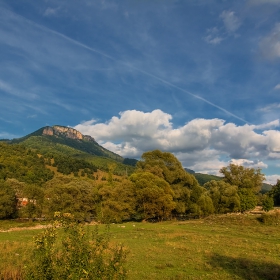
243	177
267	203
248	200
275	193
165	165
187	194
205	205
248	181
224	196
200	203
154	196
117	201
182	198
77	197
8	201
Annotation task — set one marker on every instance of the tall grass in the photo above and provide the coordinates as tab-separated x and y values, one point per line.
13	256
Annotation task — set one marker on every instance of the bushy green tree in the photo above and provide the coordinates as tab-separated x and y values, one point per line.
224	196
165	165
205	205
275	193
78	197
248	181
117	201
200	203
154	196
248	199
267	203
186	190
8	201
242	177
182	199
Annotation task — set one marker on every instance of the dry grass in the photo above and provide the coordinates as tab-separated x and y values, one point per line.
13	257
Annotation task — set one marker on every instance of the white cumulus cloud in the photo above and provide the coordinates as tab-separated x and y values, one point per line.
249	163
272	179
204	145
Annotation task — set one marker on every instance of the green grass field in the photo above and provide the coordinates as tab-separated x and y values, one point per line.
218	247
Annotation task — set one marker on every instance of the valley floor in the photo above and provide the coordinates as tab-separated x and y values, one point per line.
217	247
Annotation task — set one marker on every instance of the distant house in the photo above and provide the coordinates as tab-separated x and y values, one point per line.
23	201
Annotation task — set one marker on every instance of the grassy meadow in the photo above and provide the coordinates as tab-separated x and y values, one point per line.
217	247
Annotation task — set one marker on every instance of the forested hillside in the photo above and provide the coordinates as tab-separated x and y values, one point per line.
204	178
69	150
23	164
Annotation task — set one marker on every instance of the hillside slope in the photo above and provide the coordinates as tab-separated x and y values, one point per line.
55	137
66	145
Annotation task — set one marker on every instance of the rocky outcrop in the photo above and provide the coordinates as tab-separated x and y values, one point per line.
48	131
67	132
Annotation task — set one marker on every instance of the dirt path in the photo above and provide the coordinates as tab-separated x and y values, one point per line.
24	228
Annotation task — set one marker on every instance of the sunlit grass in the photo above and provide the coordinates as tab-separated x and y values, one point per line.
218	247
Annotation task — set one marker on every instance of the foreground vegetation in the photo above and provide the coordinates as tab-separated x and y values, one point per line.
217	247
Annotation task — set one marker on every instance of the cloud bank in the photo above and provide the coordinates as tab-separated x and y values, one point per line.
204	145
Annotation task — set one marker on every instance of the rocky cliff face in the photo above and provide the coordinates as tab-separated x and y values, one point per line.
68	132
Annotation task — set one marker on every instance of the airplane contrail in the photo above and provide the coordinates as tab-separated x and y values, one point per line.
130	66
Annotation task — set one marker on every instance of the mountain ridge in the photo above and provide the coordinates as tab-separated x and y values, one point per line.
68	132
67	136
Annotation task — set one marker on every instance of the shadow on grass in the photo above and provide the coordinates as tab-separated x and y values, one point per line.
246	268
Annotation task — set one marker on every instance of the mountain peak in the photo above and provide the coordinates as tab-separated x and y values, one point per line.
65	136
65	131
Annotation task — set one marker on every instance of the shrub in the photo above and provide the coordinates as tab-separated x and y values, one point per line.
267	203
67	251
272	218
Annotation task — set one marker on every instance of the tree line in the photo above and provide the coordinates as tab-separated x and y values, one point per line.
158	189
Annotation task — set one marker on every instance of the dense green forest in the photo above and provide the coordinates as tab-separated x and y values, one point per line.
23	164
35	185
68	152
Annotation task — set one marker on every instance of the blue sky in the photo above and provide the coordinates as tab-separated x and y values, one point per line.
200	79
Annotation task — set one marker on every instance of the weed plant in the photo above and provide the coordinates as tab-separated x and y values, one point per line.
67	251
